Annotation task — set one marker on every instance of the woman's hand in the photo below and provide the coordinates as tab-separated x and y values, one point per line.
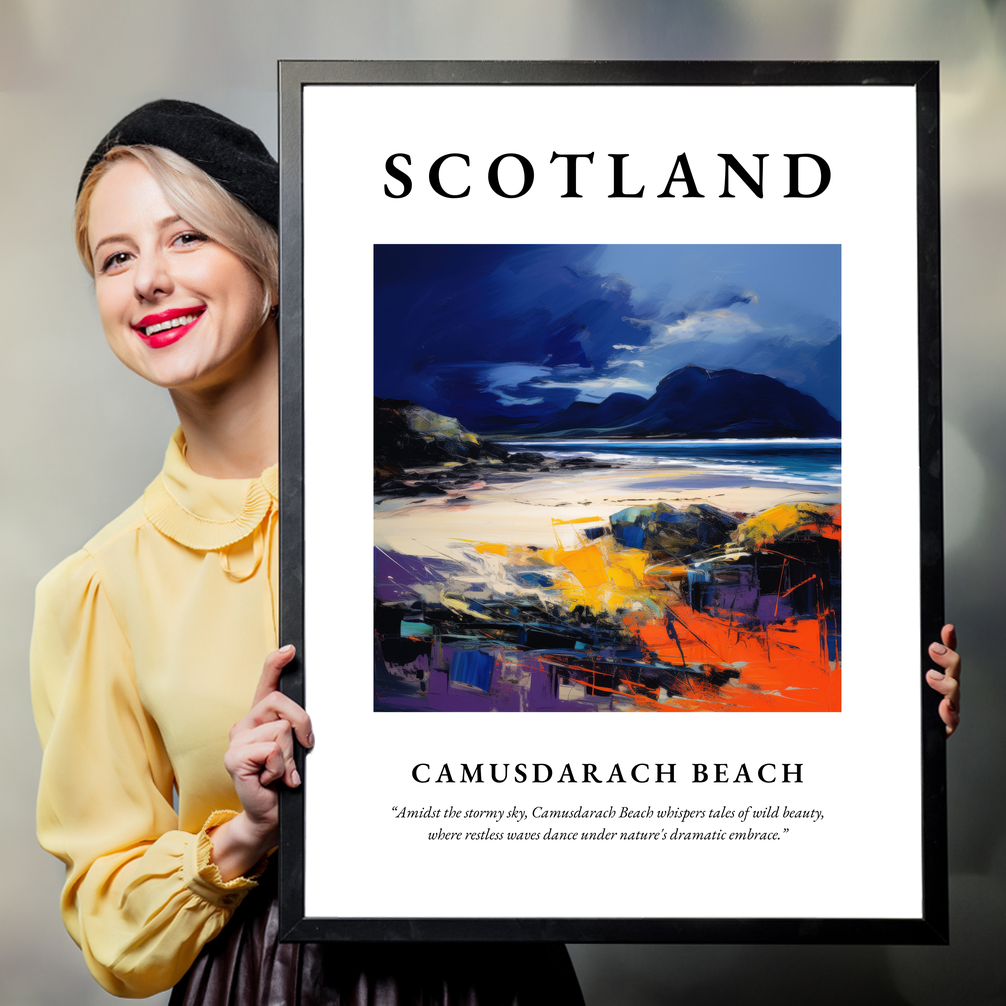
948	681
260	753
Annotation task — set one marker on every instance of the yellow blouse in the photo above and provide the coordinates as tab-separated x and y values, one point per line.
147	647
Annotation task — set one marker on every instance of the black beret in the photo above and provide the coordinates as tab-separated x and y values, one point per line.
231	154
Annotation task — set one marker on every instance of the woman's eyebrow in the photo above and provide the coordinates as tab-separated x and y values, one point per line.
109	240
160	225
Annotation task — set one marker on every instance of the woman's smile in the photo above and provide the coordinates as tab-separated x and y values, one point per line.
166	327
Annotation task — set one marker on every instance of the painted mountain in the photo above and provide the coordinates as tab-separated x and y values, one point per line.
613	412
695	403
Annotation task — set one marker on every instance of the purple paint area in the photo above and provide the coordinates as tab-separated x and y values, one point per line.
395	574
726	590
514	682
773	609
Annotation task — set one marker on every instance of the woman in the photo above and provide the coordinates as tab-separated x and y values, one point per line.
149	642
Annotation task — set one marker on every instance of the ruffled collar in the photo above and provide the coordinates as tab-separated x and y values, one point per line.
203	513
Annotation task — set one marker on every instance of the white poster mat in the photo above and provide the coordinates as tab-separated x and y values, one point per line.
860	767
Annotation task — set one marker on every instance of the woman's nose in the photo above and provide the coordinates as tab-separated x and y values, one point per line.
152	277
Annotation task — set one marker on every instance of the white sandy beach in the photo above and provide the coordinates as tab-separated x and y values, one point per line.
521	513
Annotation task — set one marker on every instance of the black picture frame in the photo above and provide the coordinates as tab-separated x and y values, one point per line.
931	927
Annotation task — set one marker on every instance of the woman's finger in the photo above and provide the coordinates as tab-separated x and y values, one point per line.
278	732
260	760
277	706
948	659
944	684
947	680
274	764
271	671
949	636
950	716
949	688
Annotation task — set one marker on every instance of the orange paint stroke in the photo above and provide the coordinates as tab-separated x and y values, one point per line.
800	584
781	666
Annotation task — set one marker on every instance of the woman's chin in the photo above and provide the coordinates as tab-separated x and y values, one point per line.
196	365
172	374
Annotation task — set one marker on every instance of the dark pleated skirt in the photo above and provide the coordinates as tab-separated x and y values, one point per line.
246	965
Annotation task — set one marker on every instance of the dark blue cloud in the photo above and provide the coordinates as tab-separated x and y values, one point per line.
506	336
445	316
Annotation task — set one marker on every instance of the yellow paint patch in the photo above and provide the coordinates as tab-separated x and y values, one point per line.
482	547
778	521
602	576
586	564
631	561
669	572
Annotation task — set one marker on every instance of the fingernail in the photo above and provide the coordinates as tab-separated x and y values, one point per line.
287	649
936	675
938	648
310	740
295	777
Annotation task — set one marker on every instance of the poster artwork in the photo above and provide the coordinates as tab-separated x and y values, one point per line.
607	478
633	448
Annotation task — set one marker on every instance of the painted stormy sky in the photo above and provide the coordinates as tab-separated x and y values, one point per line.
503	337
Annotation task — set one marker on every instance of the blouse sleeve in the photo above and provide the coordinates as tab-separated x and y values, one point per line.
141	898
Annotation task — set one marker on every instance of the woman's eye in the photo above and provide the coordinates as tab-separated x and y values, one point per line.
114	261
190	238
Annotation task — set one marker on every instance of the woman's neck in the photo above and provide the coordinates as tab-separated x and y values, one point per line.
231	427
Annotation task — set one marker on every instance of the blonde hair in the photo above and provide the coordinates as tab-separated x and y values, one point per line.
199	200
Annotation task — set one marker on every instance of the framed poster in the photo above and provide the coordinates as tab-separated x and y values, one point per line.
611	501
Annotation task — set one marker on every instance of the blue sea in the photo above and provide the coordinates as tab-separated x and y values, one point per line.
810	462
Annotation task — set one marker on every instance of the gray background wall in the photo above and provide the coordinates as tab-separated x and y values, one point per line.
82	436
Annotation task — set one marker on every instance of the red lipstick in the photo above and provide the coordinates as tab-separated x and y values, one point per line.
166	327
